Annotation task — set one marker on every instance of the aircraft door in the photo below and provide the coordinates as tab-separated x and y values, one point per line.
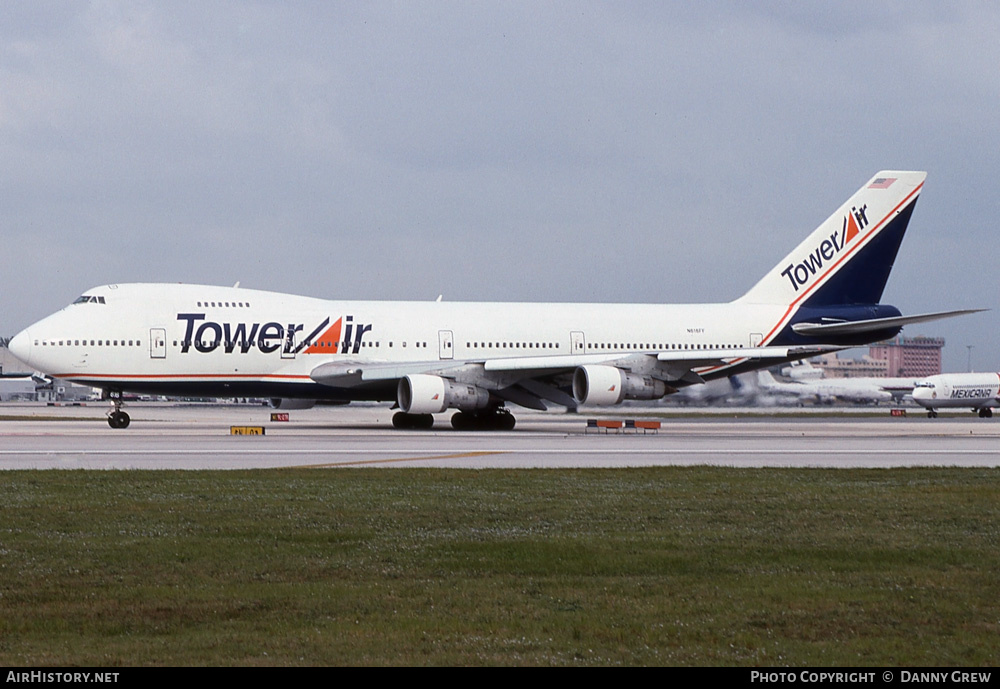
288	348
157	343
578	343
446	345
755	340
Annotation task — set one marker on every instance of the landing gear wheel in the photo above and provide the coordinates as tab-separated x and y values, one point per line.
932	414
119	419
489	420
505	420
412	421
985	413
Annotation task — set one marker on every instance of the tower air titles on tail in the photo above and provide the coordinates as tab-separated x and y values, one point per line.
476	358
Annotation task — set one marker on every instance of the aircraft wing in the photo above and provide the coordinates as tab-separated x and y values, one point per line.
348	373
528	380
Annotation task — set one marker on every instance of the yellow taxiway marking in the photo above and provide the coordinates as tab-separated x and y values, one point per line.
456	455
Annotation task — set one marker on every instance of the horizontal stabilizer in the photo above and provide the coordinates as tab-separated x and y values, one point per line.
873	324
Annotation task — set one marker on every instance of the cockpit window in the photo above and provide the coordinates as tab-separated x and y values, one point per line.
88	299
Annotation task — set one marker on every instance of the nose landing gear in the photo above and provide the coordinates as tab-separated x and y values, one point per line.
117	418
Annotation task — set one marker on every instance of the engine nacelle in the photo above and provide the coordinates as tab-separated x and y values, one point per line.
604	385
423	394
282	403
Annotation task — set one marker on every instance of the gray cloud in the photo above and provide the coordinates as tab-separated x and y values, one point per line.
522	151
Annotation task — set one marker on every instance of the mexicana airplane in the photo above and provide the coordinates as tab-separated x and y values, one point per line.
429	357
978	391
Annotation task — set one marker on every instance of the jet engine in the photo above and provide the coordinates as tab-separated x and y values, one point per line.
282	403
424	394
604	385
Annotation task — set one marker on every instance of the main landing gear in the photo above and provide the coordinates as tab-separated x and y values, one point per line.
487	420
984	413
117	418
412	422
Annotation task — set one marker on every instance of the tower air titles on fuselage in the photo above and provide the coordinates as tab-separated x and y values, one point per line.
207	336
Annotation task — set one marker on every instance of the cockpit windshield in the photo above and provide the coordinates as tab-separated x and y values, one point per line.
87	299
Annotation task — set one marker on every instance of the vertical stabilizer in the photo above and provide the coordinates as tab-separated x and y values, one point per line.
847	259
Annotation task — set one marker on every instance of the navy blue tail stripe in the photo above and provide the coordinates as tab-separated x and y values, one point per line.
863	279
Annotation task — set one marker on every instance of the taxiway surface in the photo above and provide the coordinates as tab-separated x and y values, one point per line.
197	437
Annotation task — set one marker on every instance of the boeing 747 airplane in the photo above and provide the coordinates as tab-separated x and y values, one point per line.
429	357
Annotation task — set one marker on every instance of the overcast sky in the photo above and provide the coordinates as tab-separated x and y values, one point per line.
538	151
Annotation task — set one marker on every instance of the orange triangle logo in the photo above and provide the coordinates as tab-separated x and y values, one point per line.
328	342
852	228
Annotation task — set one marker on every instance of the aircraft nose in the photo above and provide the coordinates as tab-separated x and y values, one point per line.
20	346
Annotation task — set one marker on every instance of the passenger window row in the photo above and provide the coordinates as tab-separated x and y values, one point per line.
84	343
224	304
656	347
512	345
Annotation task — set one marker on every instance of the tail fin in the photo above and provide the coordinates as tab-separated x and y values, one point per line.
766	380
847	259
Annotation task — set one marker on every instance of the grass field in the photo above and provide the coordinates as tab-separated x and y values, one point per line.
668	566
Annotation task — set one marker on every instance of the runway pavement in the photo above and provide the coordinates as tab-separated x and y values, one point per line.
197	437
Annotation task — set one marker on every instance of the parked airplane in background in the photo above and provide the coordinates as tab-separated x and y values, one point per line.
802	370
827	390
731	390
476	357
977	391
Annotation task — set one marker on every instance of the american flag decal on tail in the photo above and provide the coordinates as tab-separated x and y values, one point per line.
882	183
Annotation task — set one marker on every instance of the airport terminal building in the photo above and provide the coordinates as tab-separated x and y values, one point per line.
909	356
901	357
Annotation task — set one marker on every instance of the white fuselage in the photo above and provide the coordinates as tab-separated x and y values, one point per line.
196	339
971	390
